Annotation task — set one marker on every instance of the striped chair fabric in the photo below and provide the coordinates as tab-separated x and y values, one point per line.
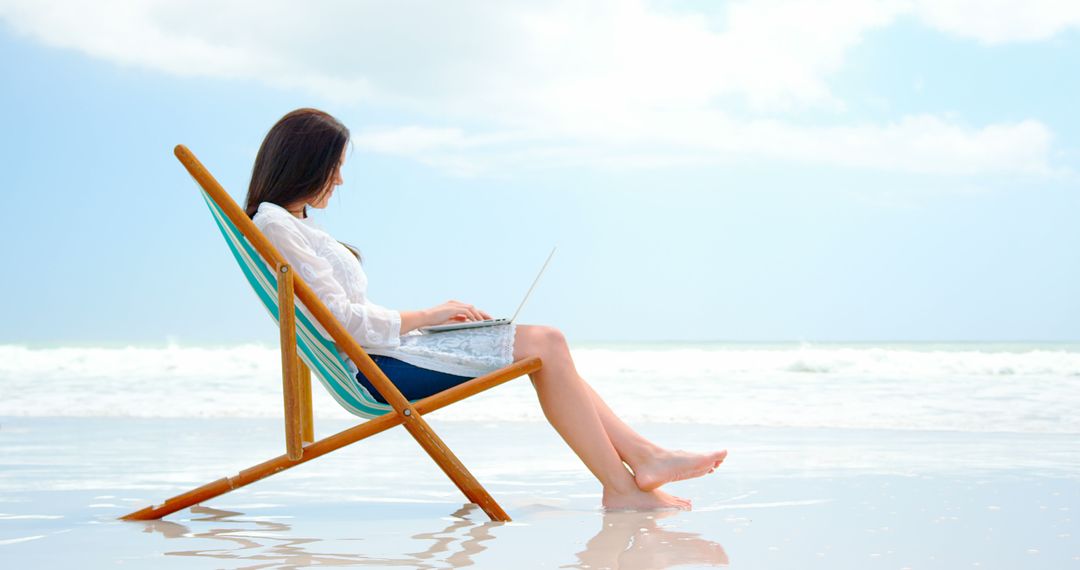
319	353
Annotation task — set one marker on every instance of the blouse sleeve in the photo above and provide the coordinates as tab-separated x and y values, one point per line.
370	324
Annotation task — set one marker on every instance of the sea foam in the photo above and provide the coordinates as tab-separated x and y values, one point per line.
968	387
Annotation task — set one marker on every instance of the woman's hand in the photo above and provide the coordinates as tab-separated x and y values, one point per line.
455	312
448	312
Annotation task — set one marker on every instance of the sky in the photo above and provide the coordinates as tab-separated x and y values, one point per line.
760	170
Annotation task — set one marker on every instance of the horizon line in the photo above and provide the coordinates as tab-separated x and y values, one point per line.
45	345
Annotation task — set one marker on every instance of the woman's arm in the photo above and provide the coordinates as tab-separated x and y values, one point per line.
414	319
370	324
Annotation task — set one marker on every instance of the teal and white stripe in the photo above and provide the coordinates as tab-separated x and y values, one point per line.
319	353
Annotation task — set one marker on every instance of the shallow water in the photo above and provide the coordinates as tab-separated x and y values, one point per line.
786	498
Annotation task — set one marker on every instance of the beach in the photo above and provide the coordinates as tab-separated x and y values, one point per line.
835	239
983	474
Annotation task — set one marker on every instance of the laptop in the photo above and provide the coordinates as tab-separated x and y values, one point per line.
490	322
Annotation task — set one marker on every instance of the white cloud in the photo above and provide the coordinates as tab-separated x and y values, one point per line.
1000	21
921	143
607	82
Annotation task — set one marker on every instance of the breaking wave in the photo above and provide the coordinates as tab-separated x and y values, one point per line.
970	387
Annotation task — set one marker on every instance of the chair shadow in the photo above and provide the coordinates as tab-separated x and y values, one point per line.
626	541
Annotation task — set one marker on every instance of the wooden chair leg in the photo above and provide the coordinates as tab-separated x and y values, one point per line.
307	418
341	439
264	469
290	383
454	468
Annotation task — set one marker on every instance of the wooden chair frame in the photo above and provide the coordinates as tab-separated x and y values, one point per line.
296	379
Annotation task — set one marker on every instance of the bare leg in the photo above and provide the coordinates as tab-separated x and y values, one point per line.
567	402
631	446
653	465
568	406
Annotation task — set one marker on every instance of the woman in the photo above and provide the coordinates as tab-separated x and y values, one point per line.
299	165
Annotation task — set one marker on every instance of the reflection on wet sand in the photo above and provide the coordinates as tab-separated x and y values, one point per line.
627	540
633	540
267	542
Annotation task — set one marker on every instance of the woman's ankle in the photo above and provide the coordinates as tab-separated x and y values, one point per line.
644	454
621	486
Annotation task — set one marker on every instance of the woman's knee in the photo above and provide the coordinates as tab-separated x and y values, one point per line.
538	340
553	337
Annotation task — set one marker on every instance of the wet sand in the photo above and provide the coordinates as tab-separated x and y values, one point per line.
786	498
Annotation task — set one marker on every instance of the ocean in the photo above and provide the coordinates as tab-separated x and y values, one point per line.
1031	388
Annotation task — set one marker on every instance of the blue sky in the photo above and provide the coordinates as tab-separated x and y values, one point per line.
830	171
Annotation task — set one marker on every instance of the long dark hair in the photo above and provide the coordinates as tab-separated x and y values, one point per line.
297	159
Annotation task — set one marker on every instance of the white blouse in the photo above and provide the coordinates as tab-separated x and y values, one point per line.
338	279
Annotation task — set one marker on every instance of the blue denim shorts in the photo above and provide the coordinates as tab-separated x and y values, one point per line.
414	382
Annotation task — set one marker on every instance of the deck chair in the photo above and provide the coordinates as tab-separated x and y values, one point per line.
305	349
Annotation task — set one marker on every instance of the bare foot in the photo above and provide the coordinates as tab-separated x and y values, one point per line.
638	500
675	466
